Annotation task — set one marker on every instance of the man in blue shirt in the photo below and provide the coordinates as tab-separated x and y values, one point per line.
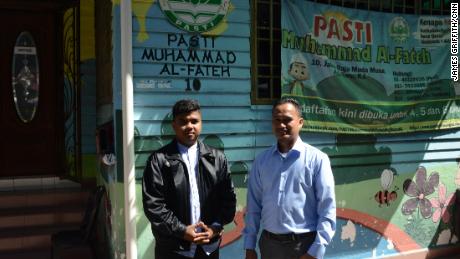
290	194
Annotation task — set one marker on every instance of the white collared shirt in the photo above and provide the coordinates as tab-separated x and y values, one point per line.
190	157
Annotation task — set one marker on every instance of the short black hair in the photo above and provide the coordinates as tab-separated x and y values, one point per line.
292	101
185	106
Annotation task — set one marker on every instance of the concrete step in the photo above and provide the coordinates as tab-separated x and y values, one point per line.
41	216
27	254
36	183
32	210
46	198
29	238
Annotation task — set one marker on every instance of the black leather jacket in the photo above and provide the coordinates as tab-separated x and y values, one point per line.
166	191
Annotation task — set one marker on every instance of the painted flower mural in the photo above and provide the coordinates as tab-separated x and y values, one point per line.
441	203
419	190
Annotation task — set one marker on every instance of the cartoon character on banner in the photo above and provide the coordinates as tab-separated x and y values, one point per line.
384	196
299	72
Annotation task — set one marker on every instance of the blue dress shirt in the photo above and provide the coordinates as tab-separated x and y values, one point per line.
190	157
293	193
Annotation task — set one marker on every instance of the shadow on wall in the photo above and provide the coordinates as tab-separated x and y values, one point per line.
358	151
240	171
214	141
446	214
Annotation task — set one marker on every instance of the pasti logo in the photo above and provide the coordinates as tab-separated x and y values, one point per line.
399	30
195	15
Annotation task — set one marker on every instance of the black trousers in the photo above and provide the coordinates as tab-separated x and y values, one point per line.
284	247
199	254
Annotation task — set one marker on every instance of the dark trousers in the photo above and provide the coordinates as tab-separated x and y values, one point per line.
199	254
285	246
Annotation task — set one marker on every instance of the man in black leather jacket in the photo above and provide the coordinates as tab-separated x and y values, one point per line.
188	194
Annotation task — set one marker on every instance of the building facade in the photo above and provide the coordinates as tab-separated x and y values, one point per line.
135	59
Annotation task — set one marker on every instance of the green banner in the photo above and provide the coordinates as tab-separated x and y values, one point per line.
363	72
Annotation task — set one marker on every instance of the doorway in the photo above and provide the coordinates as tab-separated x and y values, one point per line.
31	116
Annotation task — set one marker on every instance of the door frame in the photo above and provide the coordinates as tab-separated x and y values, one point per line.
58	8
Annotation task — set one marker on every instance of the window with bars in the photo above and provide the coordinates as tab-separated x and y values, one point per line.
266	45
266	36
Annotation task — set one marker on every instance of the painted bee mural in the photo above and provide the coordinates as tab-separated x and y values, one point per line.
385	196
